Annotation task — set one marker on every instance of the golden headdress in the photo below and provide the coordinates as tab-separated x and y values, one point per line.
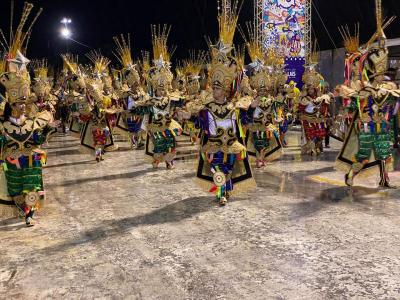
228	16
159	37
264	68
253	44
123	52
17	80
70	63
145	62
192	68
100	62
281	76
160	75
224	67
19	38
42	83
40	69
351	39
378	54
311	77
193	65
124	56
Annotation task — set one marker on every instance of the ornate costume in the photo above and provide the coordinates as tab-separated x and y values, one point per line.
131	119
224	166
313	110
161	128
262	138
21	134
373	100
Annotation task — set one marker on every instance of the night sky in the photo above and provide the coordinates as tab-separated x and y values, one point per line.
96	22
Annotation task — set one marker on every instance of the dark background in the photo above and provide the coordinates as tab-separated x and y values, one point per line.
95	22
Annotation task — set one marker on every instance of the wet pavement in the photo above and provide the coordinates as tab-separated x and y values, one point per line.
123	230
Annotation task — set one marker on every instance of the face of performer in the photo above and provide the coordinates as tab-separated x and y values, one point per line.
161	92
107	82
41	88
18	109
262	92
311	91
219	94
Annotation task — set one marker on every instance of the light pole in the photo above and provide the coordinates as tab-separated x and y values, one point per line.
65	31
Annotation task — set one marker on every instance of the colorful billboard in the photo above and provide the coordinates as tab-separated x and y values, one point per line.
284	24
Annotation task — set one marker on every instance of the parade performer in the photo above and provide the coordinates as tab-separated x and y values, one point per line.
161	128
130	121
262	138
42	99
100	72
21	135
343	119
192	68
224	166
313	109
73	106
92	107
280	107
292	95
367	148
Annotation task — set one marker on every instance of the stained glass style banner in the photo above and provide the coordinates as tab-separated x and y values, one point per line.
284	24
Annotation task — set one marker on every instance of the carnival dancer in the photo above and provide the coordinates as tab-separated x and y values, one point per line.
192	68
313	109
224	166
292	96
262	136
100	71
280	107
161	128
96	134
21	135
343	119
367	148
42	99
131	119
72	94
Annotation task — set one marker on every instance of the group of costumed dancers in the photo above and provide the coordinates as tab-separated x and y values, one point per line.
231	110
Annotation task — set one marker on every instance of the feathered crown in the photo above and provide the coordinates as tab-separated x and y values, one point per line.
159	37
351	40
195	62
180	70
40	68
239	55
145	62
378	54
123	52
19	39
160	75
70	62
99	61
224	67
254	47
381	24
